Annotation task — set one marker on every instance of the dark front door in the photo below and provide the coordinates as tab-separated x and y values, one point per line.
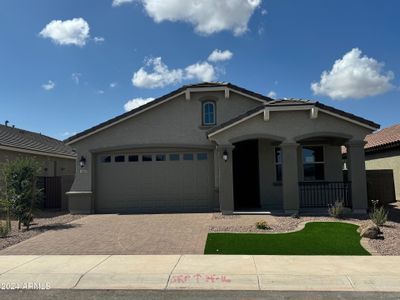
246	186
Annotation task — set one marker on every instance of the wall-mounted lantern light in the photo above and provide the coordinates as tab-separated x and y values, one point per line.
225	155
82	161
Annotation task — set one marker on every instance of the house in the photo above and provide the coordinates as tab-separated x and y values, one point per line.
220	147
382	151
57	161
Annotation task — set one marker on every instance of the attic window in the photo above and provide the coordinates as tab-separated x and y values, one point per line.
208	113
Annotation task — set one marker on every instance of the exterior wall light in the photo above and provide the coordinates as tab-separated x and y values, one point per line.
225	155
82	161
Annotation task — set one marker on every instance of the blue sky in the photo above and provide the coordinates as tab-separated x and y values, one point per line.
62	77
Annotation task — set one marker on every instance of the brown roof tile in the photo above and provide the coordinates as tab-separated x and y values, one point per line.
384	137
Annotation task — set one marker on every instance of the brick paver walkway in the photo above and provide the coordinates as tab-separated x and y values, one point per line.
122	234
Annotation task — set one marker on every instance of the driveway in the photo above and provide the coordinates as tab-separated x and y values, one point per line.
122	234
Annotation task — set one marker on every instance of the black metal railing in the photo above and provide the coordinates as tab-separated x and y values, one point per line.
323	194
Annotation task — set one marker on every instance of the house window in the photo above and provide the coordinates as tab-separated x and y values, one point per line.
133	158
208	113
160	157
105	159
174	157
188	156
278	164
119	158
202	156
313	163
147	157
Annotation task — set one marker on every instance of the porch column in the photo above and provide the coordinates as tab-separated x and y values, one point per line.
226	201
290	177
357	176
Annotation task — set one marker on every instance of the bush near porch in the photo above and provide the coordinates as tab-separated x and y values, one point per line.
317	238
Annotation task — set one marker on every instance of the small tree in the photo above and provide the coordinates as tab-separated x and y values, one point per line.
22	195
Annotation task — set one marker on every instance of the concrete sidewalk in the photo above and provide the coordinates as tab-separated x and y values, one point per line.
227	272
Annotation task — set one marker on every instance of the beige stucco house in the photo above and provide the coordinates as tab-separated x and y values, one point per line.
382	151
220	147
57	160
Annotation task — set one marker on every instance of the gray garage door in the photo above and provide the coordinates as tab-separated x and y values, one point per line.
154	181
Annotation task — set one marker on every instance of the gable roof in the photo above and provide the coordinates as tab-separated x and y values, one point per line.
15	139
385	138
285	103
155	102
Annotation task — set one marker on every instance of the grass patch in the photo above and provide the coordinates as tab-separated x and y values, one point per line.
317	238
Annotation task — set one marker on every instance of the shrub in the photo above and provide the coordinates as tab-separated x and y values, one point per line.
295	216
20	192
378	215
336	210
262	225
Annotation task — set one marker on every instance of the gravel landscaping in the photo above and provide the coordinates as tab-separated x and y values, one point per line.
43	221
388	244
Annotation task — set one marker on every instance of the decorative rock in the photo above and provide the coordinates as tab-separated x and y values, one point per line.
370	231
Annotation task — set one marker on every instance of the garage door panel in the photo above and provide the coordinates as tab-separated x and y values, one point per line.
154	186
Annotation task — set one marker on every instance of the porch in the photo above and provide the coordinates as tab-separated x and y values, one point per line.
268	175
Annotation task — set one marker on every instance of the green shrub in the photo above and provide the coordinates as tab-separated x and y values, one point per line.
19	193
378	215
336	210
262	225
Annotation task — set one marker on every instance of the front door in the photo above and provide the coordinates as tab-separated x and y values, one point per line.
246	186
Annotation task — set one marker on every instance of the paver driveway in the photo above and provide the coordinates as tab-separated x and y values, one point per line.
122	234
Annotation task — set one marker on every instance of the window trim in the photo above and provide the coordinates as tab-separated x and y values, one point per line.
203	104
314	163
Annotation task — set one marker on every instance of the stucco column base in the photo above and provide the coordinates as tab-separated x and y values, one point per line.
80	202
359	211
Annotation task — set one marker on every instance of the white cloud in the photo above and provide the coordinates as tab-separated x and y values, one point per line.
264	12
68	133
100	92
113	84
136	102
49	85
272	94
354	76
160	76
98	39
218	55
69	32
76	77
121	2
207	16
202	71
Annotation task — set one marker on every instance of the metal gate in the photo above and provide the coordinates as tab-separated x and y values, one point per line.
51	191
380	184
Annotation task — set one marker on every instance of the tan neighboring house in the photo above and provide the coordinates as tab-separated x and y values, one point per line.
56	159
382	151
219	147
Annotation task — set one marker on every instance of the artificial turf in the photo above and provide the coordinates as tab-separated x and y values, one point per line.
317	238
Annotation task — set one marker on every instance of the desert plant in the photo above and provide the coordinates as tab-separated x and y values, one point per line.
21	193
262	225
378	215
336	210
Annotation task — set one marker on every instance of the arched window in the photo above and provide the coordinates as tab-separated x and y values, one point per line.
208	113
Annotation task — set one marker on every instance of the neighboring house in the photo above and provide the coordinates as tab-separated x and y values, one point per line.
56	159
219	147
382	151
